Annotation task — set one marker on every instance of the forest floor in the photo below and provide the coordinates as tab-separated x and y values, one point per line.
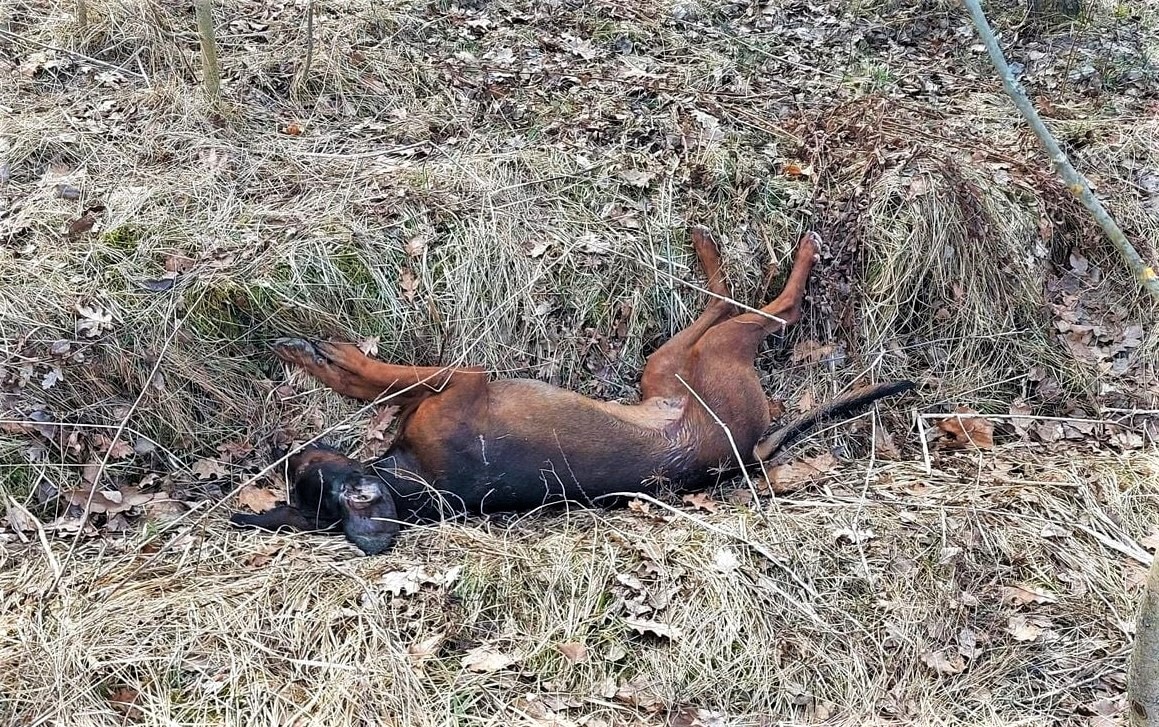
510	184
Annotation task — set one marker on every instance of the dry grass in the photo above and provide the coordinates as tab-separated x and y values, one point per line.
239	628
515	193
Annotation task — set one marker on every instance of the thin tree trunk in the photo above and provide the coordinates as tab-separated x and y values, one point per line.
1143	675
1078	185
210	71
304	73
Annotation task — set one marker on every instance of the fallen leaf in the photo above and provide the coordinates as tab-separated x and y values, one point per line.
93	321
369	345
968	644
1107	708
941	664
1026	628
689	716
961	432
448	577
109	501
631	581
124	699
791	476
1024	595
656	628
415	246
638	693
641	507
428	647
1051	530
1134	576
208	469
484	659
794	170
257	499
163	510
380	422
235	450
574	652
1021	424
810	351
409	284
806	403
20	520
637	178
700	501
51	378
400	582
1150	541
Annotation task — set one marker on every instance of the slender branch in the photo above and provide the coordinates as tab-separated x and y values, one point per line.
82	14
1075	181
211	70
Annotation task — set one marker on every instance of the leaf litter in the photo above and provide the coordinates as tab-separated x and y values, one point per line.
701	106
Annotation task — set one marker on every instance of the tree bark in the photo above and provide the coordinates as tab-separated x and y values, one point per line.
210	71
1143	674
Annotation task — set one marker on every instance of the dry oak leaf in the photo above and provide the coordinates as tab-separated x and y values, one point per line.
1024	628
942	664
656	628
428	647
92	321
962	432
109	501
484	659
20	520
638	693
1150	541
810	351
258	499
794	169
700	501
208	469
791	476
574	652
401	582
1023	595
380	422
124	700
369	345
637	178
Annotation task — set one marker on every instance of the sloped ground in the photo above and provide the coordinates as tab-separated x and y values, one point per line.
510	184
